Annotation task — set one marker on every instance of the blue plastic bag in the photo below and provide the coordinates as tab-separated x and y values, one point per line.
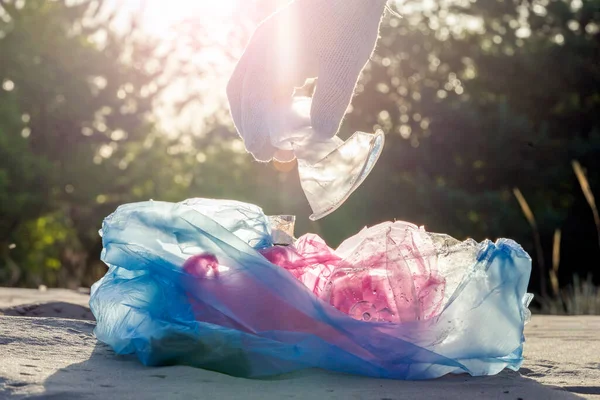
248	317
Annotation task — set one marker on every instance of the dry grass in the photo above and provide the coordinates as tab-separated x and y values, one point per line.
536	238
587	192
555	263
581	297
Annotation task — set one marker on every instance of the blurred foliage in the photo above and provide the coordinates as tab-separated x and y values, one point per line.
581	297
23	176
476	98
77	138
75	100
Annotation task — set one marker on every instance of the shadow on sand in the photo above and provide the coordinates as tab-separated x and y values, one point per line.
105	375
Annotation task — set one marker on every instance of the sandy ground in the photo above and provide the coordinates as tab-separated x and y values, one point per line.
59	303
45	355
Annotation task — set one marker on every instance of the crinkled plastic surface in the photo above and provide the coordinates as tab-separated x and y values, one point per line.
200	283
330	169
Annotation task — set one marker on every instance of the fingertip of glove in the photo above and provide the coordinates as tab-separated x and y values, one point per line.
262	151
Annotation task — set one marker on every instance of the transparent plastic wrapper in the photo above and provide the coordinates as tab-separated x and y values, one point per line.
201	283
330	170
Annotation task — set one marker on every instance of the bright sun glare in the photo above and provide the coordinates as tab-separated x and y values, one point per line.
160	15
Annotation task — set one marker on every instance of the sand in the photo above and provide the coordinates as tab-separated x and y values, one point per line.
59	303
48	352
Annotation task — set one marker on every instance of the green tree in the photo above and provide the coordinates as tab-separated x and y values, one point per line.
478	100
78	104
73	95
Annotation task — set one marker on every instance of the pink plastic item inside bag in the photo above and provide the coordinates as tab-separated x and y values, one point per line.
384	273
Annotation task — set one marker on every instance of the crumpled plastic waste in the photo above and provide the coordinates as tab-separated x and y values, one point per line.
385	273
201	283
330	170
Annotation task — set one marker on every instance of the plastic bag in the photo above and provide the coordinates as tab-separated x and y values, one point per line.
200	283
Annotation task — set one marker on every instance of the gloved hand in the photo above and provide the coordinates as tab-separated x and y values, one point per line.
328	39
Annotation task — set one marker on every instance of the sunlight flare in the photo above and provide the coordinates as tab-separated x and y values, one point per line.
161	15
